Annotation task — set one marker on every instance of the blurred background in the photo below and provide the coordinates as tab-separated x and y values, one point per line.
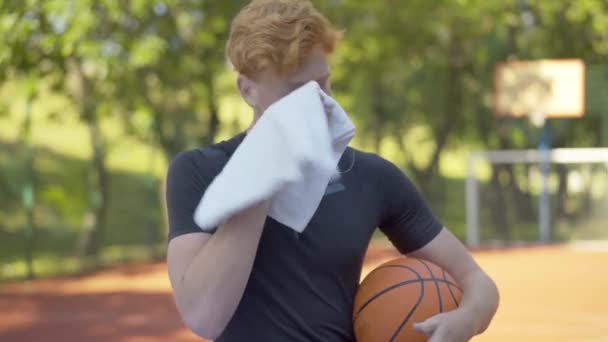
97	97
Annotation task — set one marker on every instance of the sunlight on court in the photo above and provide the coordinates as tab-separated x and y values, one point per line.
547	293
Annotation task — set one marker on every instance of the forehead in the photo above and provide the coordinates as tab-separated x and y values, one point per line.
316	67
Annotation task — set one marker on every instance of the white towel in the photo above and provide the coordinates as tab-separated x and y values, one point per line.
288	156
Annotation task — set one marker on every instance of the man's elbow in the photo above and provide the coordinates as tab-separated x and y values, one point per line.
200	317
491	298
494	293
202	330
203	325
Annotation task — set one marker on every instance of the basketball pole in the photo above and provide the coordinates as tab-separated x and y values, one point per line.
541	89
604	124
544	207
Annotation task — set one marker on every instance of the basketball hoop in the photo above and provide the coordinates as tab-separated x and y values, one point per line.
538	118
540	90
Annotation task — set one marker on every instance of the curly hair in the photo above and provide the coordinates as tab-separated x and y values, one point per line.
278	35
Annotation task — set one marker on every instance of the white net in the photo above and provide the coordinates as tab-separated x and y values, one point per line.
538	119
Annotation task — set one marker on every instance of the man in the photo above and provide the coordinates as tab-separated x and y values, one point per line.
253	279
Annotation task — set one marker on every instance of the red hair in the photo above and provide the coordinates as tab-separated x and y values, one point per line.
278	35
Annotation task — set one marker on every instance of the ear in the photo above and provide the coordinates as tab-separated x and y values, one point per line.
248	90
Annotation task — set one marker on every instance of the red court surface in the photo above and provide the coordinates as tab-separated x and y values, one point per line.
548	294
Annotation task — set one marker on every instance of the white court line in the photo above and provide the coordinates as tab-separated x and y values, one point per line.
590	246
596	339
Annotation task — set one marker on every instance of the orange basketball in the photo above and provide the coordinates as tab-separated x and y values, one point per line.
398	294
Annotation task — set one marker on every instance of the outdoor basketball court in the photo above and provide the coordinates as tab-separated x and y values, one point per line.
548	294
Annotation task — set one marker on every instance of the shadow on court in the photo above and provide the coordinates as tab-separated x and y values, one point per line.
547	294
121	316
126	303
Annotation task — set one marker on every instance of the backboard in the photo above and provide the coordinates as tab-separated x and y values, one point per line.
542	89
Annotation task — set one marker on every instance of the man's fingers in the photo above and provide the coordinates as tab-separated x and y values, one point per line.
327	104
437	337
328	107
428	327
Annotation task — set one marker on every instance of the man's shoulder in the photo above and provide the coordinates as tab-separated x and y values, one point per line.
371	161
197	158
376	168
206	159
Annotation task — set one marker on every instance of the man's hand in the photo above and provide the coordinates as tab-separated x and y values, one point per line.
453	326
480	297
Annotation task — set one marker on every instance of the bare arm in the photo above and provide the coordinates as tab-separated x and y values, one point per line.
480	296
209	273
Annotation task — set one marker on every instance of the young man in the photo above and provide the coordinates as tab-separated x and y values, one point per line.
253	279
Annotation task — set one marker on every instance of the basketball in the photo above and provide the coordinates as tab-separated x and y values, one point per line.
399	293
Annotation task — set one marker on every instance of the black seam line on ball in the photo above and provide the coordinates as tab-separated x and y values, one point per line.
445	277
436	285
409	315
389	288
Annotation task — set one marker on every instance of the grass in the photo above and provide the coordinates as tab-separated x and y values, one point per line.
61	158
134	215
54	264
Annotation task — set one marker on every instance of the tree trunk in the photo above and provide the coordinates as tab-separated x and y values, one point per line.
28	191
526	200
587	198
212	108
522	200
377	136
453	116
169	140
397	134
498	203
99	186
500	211
379	116
94	225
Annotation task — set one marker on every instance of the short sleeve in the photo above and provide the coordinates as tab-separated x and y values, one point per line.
406	219
189	175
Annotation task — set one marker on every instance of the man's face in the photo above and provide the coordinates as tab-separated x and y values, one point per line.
269	88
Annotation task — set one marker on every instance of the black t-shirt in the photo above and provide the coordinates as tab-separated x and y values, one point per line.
302	285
